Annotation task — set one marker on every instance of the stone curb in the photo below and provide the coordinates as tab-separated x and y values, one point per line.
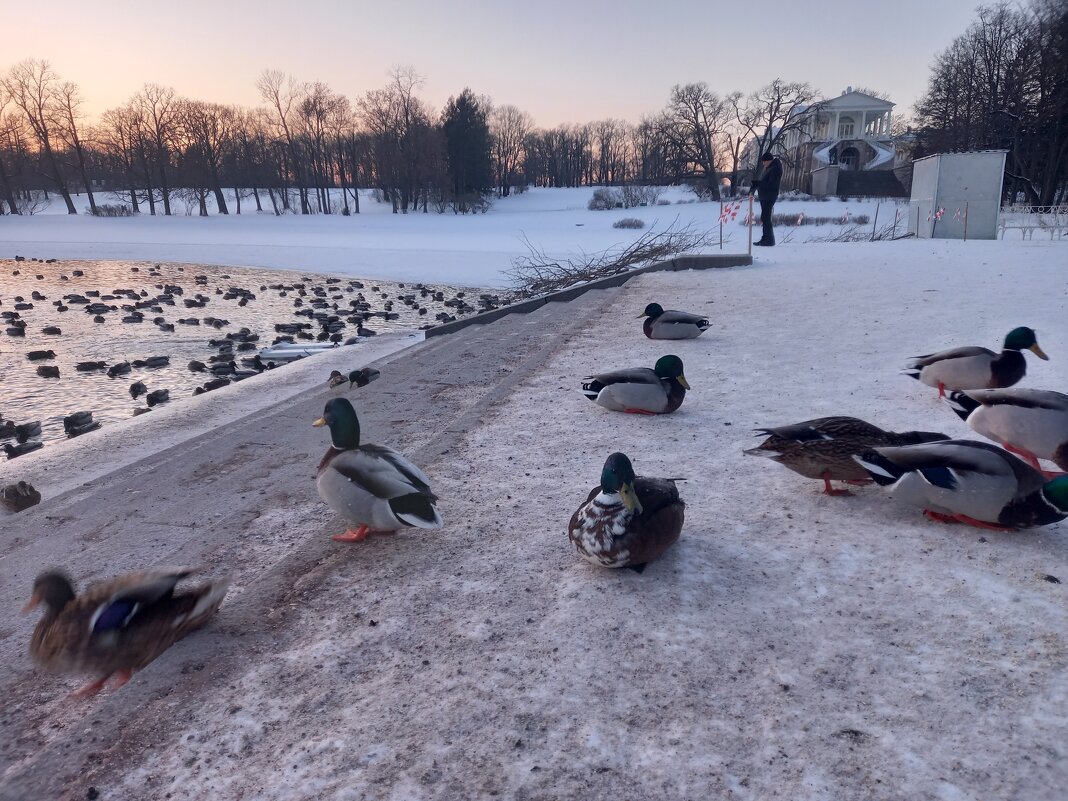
708	262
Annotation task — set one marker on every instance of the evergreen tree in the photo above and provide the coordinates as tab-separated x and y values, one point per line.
468	150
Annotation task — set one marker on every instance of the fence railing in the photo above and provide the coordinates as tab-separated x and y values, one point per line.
1028	219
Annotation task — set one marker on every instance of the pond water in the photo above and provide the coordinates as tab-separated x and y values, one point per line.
222	300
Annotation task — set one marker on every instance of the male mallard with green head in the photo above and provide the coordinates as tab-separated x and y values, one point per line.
963	481
660	324
118	626
824	448
627	521
1030	422
370	485
640	390
974	367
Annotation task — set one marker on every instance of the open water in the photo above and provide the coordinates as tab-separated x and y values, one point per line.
270	297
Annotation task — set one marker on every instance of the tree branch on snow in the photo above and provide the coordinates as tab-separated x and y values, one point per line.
538	273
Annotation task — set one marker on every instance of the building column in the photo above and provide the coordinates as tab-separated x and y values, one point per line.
834	131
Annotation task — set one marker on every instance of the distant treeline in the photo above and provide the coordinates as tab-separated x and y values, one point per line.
1004	83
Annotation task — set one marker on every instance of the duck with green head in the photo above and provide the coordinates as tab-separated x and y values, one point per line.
974	367
628	520
370	485
965	481
660	324
640	390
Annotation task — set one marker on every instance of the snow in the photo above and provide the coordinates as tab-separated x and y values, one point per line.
790	646
469	250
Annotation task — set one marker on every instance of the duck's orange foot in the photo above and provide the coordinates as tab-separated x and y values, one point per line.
828	490
938	517
971	521
638	411
357	535
90	690
121	677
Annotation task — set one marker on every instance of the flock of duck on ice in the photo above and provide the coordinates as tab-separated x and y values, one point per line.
117	627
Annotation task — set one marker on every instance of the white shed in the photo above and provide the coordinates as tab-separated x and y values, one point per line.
957	195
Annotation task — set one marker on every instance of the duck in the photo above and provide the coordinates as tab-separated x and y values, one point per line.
974	367
119	626
14	451
48	370
137	389
660	324
628	520
19	496
118	369
966	481
640	390
85	367
824	448
157	396
1032	423
370	485
356	378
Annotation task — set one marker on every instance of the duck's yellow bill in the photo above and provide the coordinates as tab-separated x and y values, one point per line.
31	604
684	382
643	314
1039	352
630	498
320	422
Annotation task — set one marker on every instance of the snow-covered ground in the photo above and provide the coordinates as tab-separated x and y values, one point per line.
471	250
791	646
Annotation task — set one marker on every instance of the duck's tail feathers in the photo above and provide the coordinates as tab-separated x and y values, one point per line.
416	510
912	372
703	324
882	470
962	404
209	603
591	388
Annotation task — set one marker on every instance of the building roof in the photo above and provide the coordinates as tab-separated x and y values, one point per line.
852	99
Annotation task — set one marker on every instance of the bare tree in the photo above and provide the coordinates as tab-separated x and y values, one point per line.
692	123
208	129
31	85
283	94
509	128
10	125
68	109
117	135
770	113
159	117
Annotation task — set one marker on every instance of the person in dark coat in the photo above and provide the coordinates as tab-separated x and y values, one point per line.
767	190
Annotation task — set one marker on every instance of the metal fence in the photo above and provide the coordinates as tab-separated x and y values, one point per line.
1027	219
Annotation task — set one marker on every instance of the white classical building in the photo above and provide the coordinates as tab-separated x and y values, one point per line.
835	141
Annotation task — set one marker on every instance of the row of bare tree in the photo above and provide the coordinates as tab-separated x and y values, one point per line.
1004	84
306	139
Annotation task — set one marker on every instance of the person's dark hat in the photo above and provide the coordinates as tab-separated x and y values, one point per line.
767	156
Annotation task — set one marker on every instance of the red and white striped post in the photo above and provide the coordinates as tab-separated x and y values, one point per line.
750	226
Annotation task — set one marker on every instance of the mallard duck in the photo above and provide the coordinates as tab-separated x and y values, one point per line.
137	389
370	485
19	496
974	367
356	378
824	447
627	521
640	390
14	451
969	482
118	626
660	324
157	396
1030	422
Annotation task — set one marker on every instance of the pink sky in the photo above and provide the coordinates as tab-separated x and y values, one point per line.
560	61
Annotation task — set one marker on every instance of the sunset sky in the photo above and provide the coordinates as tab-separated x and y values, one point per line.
560	60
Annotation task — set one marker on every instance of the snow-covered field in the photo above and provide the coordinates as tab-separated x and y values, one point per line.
792	646
470	250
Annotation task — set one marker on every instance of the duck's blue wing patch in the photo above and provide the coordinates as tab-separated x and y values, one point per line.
943	477
114	615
